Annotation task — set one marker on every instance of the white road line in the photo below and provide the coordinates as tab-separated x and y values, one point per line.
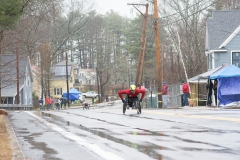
93	147
184	115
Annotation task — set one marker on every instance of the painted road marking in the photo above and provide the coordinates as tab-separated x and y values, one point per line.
196	116
93	147
188	116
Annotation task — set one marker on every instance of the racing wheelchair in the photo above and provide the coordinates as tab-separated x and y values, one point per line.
132	102
86	105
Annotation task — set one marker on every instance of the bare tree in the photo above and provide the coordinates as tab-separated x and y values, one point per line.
187	34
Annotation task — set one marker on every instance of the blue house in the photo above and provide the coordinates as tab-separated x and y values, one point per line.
9	79
223	38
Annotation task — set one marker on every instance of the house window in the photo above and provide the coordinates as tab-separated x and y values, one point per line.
89	81
57	91
236	58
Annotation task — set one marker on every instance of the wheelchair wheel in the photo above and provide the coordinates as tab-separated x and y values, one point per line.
139	109
124	108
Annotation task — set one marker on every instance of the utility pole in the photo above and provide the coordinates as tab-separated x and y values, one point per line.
162	62
158	55
143	47
67	80
1	38
17	68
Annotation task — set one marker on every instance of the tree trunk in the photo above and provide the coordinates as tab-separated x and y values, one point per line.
1	38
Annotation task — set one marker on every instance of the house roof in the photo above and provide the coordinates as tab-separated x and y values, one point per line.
202	78
9	73
63	63
220	27
58	71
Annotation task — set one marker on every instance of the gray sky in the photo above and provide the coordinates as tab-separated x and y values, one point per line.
119	6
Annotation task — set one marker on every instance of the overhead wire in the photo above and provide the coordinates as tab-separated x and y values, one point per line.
183	9
176	21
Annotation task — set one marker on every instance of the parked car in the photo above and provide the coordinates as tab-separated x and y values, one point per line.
90	94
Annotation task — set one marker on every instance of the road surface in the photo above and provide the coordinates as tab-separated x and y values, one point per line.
106	134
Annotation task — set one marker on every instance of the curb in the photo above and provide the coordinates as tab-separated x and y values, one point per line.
17	151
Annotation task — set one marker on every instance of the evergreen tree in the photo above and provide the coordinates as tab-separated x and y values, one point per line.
10	12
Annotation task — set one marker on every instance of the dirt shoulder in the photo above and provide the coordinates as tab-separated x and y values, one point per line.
5	148
9	146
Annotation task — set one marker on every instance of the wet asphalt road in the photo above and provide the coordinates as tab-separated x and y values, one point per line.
96	134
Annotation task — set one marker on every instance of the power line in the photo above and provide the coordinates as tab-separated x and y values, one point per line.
183	9
170	23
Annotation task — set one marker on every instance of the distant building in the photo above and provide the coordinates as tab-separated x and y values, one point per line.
9	79
85	76
223	38
36	85
58	78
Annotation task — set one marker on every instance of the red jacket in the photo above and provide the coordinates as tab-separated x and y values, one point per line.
130	94
164	89
48	101
185	88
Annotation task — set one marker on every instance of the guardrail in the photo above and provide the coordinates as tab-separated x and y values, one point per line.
16	107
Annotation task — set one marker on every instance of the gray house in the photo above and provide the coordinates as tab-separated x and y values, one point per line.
223	38
9	78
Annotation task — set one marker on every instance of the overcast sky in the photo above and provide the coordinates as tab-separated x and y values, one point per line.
119	6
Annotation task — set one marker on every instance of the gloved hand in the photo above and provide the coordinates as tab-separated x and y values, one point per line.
140	100
124	101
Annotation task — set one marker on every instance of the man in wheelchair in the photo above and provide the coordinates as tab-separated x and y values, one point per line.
132	95
131	101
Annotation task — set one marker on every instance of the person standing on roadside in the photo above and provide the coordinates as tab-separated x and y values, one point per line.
164	94
61	99
209	88
59	103
41	104
52	103
182	95
64	101
215	84
185	90
48	102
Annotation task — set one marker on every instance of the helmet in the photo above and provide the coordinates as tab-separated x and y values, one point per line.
133	87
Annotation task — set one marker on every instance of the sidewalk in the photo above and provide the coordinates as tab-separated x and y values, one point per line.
109	104
10	142
17	151
97	105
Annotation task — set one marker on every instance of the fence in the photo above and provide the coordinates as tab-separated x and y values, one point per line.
151	99
16	107
174	97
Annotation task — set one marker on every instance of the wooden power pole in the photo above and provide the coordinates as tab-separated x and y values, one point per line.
67	80
139	74
158	54
17	68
